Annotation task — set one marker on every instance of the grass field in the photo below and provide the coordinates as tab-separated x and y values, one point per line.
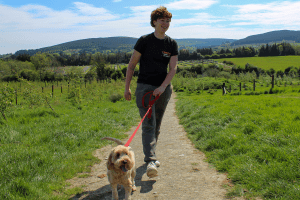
253	138
266	63
41	148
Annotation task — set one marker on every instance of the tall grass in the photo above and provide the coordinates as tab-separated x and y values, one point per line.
255	139
40	148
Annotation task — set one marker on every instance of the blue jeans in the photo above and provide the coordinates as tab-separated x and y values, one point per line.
151	127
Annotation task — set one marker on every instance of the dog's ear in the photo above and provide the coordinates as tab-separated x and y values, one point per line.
110	164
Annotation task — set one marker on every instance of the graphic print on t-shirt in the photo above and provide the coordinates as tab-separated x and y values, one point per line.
166	54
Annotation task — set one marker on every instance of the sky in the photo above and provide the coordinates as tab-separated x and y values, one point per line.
33	24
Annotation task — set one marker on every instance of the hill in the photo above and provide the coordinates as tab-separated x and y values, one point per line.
122	44
126	44
270	37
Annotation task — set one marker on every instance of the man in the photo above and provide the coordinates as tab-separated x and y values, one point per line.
155	51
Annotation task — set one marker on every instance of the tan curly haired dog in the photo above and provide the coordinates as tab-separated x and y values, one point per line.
121	169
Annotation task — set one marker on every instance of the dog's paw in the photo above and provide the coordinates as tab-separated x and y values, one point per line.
134	188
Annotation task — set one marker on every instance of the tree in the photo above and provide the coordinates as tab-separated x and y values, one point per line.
23	57
40	61
99	62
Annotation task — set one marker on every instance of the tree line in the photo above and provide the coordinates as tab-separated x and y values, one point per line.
281	49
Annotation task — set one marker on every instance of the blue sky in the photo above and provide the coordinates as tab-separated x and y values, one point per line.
32	24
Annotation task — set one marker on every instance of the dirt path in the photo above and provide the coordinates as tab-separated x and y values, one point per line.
183	174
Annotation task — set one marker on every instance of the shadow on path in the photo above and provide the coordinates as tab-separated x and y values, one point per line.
105	191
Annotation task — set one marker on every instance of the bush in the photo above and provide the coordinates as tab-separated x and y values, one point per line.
115	97
90	75
199	69
224	74
9	78
29	75
117	75
185	74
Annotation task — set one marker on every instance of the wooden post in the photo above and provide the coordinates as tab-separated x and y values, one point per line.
254	85
240	86
42	89
224	92
273	81
52	90
68	86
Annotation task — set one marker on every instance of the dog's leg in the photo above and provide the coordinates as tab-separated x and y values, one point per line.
132	180
114	189
128	190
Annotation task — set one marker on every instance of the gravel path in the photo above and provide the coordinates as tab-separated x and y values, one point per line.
183	174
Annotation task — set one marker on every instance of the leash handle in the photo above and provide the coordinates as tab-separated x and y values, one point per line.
151	102
149	112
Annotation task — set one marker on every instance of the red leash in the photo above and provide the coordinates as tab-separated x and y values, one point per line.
151	103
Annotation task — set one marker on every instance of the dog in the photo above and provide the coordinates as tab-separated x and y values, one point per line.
121	169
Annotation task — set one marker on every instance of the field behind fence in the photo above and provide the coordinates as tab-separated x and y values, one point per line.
252	137
48	137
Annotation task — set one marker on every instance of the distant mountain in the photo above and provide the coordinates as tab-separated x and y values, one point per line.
126	44
273	36
89	45
123	44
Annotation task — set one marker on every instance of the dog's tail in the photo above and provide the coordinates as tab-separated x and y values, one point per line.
119	142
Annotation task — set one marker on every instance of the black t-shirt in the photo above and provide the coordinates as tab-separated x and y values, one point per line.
156	54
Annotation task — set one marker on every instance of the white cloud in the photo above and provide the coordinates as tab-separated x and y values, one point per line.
212	31
277	13
200	18
88	9
190	4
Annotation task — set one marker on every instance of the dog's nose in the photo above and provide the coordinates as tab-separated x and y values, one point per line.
125	161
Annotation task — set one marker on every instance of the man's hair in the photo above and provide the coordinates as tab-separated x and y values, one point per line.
160	13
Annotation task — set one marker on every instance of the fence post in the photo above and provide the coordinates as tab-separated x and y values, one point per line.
254	85
224	89
240	86
273	81
52	90
42	90
68	86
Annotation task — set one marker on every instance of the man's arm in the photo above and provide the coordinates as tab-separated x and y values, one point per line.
172	71
130	71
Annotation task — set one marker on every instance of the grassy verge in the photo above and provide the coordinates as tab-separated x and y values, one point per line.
255	139
41	148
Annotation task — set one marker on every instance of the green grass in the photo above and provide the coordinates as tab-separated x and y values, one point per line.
254	138
40	149
266	63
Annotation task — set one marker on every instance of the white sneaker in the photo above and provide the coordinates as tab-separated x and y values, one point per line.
152	169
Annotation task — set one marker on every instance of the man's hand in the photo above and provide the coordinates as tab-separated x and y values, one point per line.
127	95
159	91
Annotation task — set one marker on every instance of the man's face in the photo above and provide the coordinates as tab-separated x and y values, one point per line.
162	24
